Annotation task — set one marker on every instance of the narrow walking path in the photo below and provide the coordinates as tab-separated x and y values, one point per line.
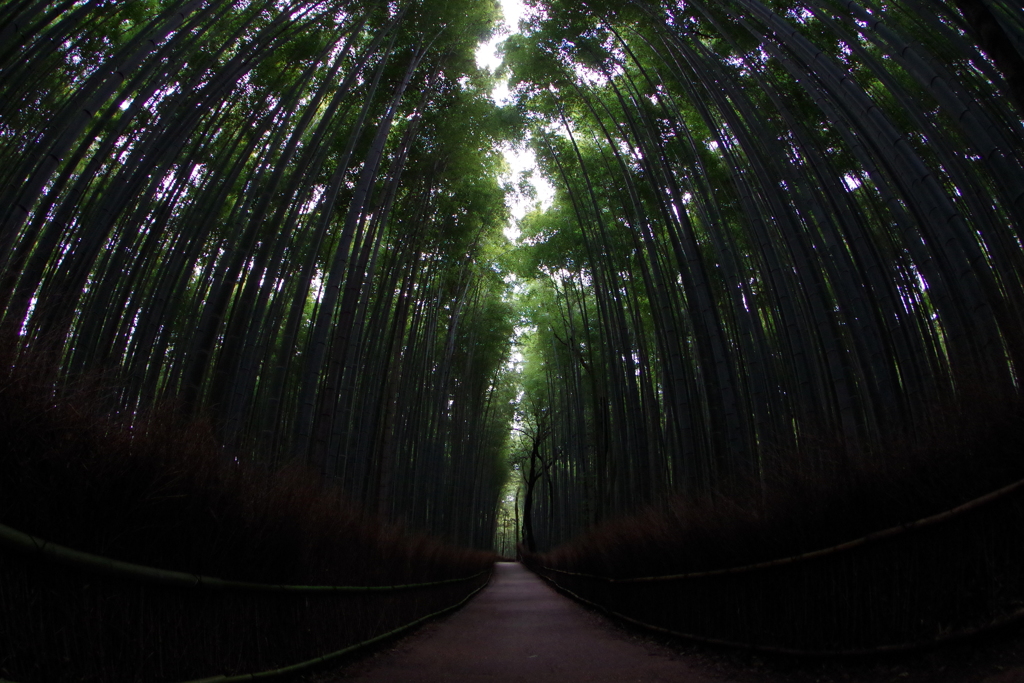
520	630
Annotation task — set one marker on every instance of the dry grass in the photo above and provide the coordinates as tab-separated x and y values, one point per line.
957	577
162	492
808	501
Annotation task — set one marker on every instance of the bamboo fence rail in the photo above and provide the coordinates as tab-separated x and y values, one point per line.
67	615
318	661
76	558
300	667
946	576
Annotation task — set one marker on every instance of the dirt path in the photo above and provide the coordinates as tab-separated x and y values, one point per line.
520	630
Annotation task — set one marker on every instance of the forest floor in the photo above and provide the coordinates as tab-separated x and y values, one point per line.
520	630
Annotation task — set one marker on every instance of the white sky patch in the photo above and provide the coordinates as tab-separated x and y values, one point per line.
519	160
851	181
487	56
317	286
515	361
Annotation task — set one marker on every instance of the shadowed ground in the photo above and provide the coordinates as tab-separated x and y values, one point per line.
520	630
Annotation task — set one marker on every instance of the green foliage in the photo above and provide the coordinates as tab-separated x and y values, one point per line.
288	220
743	249
770	220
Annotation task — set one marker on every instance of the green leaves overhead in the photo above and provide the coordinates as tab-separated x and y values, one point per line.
280	215
773	220
773	223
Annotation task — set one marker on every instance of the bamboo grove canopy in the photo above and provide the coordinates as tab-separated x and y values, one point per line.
280	214
772	220
775	222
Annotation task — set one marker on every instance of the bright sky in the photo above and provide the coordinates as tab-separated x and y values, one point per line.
518	160
487	54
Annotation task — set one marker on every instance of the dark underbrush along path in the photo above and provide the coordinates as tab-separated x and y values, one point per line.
520	629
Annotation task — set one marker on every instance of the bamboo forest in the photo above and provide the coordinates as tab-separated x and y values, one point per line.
734	354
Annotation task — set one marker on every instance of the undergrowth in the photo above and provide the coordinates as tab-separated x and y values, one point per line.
815	497
159	490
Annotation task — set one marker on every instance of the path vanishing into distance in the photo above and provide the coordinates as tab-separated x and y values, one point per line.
519	629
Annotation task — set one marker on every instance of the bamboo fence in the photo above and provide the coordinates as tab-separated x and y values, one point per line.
67	615
947	576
